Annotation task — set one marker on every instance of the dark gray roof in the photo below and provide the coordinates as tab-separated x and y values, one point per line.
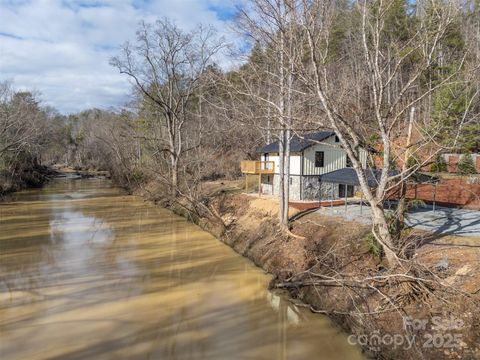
348	176
297	143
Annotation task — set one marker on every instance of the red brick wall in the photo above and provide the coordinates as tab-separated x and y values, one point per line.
453	192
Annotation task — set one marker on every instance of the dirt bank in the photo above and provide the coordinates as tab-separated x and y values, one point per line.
28	176
331	266
36	175
444	314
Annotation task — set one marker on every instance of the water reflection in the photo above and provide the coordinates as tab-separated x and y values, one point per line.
90	273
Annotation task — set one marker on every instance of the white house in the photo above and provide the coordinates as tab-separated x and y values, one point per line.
310	157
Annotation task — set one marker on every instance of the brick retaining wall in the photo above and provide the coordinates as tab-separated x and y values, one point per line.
451	192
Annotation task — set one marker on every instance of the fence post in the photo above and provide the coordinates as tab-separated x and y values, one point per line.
259	185
331	203
361	204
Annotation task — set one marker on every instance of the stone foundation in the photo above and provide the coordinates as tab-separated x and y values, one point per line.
302	188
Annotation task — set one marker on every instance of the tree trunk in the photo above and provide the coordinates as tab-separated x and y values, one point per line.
402	206
382	234
286	178
282	142
174	175
402	202
281	174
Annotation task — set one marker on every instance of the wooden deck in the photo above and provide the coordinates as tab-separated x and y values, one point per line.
257	167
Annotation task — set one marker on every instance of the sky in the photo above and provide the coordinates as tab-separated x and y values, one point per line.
61	48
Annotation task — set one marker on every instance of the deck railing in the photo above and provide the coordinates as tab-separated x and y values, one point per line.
257	167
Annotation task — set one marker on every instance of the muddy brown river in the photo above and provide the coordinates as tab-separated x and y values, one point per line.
87	272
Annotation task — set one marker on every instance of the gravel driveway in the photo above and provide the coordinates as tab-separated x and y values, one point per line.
444	220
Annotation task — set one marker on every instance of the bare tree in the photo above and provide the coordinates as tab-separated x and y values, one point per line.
21	120
273	27
392	69
166	65
27	133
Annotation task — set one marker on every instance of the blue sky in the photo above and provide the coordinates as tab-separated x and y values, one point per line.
61	48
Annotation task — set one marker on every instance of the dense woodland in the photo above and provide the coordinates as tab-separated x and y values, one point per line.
398	78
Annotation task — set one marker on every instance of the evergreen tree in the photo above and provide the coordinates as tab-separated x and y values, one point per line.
466	165
440	165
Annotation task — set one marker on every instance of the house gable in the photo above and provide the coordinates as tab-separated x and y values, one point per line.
302	159
298	144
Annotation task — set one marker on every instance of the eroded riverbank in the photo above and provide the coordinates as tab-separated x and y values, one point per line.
327	264
90	272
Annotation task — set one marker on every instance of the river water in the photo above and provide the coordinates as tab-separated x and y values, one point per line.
87	272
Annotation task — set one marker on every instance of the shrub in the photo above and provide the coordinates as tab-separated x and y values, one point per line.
412	162
137	176
373	246
415	204
466	165
440	165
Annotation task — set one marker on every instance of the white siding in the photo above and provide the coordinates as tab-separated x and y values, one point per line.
295	162
334	158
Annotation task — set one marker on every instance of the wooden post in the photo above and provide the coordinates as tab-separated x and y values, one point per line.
246	183
346	193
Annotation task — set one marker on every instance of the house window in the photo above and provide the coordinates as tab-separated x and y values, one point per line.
319	158
348	162
268	178
337	139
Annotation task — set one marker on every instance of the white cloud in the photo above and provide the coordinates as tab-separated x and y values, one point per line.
62	48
